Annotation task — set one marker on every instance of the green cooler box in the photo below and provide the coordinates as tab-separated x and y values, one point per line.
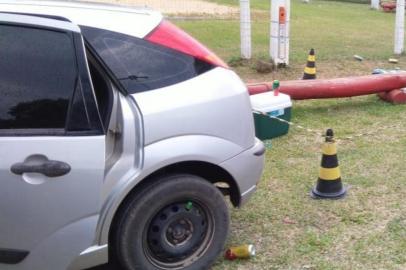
279	106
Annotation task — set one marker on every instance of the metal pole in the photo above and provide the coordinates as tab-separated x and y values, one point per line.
400	27
375	4
245	29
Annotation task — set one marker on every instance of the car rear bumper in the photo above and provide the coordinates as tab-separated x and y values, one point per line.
246	169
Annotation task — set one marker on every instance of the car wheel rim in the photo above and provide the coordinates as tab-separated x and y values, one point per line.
178	234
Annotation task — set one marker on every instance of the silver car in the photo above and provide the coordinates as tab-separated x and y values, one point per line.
120	135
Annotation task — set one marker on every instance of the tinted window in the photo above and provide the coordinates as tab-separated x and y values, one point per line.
79	119
37	77
140	65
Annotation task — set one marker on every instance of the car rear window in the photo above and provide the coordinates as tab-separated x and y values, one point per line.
140	65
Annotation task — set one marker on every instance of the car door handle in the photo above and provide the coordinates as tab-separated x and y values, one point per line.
49	168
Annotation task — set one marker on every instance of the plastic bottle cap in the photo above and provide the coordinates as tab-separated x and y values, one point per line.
189	206
275	84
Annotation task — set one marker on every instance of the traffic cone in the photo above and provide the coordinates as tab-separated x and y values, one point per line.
329	185
310	69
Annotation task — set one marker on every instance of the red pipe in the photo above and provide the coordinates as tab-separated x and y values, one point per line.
396	96
388	7
335	88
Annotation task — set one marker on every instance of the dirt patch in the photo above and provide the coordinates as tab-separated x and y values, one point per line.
179	7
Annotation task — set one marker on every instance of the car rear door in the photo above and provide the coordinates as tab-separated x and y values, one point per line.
52	144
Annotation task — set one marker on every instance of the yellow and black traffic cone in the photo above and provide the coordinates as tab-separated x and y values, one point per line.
329	185
310	69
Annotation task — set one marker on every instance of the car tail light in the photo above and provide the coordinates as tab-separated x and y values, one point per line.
169	35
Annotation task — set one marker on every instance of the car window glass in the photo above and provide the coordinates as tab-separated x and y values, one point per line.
140	65
37	77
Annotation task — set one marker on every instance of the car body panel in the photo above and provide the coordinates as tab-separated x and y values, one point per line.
246	169
64	202
90	257
213	104
38	21
157	156
58	250
136	22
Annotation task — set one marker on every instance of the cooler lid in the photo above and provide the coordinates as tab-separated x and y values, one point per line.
267	102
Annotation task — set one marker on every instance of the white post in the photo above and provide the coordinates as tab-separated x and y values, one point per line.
245	28
400	27
375	4
280	22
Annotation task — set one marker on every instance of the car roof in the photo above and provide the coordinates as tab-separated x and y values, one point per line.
132	21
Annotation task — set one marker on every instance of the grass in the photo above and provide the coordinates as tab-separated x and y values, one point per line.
367	229
336	30
258	4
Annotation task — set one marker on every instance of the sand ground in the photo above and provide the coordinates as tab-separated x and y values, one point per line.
179	6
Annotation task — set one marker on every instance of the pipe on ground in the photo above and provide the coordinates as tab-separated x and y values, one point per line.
335	88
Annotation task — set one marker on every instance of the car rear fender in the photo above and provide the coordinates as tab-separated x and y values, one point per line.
159	155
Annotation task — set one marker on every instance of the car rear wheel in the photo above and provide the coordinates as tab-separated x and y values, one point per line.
177	222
